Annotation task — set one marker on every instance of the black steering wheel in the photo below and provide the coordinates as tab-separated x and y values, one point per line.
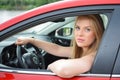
32	59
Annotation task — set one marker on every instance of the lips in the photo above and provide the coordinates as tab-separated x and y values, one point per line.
80	40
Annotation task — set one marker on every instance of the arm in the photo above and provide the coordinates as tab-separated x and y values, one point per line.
72	67
51	48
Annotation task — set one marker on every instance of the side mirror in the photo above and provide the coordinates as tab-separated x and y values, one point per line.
64	32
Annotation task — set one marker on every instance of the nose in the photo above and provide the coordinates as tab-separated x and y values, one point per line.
80	32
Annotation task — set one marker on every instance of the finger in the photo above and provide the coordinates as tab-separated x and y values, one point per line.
48	68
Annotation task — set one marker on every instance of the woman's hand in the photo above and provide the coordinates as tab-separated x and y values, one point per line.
23	40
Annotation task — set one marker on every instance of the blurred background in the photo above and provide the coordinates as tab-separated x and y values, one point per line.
11	8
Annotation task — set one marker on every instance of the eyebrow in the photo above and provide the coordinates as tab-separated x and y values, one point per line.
88	26
85	26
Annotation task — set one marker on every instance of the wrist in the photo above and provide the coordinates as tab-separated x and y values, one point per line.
31	40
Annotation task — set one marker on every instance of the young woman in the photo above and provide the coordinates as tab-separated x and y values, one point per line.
87	35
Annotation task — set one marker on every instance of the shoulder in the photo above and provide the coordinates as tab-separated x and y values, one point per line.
89	57
92	54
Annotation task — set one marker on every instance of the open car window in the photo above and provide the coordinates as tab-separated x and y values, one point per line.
59	32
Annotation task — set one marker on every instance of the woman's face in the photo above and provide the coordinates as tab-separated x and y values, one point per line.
84	34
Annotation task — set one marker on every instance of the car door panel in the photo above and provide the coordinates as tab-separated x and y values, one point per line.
19	76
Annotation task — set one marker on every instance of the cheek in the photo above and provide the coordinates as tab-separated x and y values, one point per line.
90	39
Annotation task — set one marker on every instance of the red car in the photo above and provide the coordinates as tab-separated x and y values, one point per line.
54	23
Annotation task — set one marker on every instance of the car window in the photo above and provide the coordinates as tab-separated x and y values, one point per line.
105	20
59	32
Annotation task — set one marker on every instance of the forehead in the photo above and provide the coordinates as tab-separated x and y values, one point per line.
83	21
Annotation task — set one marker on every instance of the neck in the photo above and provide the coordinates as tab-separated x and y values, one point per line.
85	49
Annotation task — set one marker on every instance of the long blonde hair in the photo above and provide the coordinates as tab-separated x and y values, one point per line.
98	28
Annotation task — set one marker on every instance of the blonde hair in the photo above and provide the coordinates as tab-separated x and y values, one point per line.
98	28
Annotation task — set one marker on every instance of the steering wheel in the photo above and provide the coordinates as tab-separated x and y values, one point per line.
32	60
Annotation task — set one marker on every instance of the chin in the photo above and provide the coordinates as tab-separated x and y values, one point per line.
80	45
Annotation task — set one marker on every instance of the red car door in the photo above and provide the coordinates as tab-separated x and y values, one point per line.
21	76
